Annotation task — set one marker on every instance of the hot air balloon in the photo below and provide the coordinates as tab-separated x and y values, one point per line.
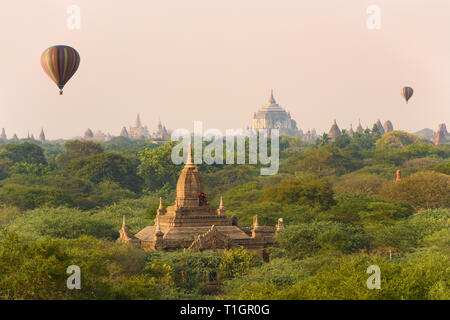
407	93
60	63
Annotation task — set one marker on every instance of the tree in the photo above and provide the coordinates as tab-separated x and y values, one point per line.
312	192
396	140
423	190
364	184
237	262
306	239
25	152
323	140
443	168
76	149
157	168
108	166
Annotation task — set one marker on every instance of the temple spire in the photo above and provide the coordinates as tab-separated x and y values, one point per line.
255	222
221	203
189	161
272	99
158	231
138	121
221	210
160	208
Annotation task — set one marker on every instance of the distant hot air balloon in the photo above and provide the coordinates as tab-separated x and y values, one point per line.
407	93
60	63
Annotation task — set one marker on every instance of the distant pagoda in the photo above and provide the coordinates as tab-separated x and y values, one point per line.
272	116
334	131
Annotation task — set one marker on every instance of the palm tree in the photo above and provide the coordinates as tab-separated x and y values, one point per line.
323	139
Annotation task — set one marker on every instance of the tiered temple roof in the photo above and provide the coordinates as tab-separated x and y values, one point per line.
191	223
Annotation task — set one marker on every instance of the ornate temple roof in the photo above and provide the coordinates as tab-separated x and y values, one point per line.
441	135
359	128
195	225
380	126
189	184
388	127
334	131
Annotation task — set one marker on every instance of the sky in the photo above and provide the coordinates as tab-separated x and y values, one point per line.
217	60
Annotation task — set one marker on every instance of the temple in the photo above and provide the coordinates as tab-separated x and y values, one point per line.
192	224
272	116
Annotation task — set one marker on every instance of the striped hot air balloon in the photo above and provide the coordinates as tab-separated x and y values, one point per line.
60	63
407	93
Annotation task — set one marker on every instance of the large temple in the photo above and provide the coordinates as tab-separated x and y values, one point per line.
192	224
272	116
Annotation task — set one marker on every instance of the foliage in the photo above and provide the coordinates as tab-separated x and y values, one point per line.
30	169
364	184
76	149
25	152
443	168
396	140
106	166
312	192
423	190
237	261
63	223
37	270
306	239
157	168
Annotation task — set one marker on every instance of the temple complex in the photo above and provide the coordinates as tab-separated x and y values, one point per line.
272	116
192	224
138	131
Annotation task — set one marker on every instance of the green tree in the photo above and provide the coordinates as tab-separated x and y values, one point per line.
107	166
157	168
423	190
312	192
24	152
396	140
76	149
237	261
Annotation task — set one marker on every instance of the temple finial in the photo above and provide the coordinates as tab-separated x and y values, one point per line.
221	210
138	121
160	203
189	160
255	222
123	222
272	99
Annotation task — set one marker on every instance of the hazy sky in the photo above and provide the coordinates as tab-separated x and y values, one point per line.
216	61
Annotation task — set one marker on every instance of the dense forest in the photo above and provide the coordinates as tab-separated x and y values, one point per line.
62	204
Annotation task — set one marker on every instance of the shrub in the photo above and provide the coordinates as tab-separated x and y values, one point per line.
396	140
443	168
313	192
423	190
365	184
